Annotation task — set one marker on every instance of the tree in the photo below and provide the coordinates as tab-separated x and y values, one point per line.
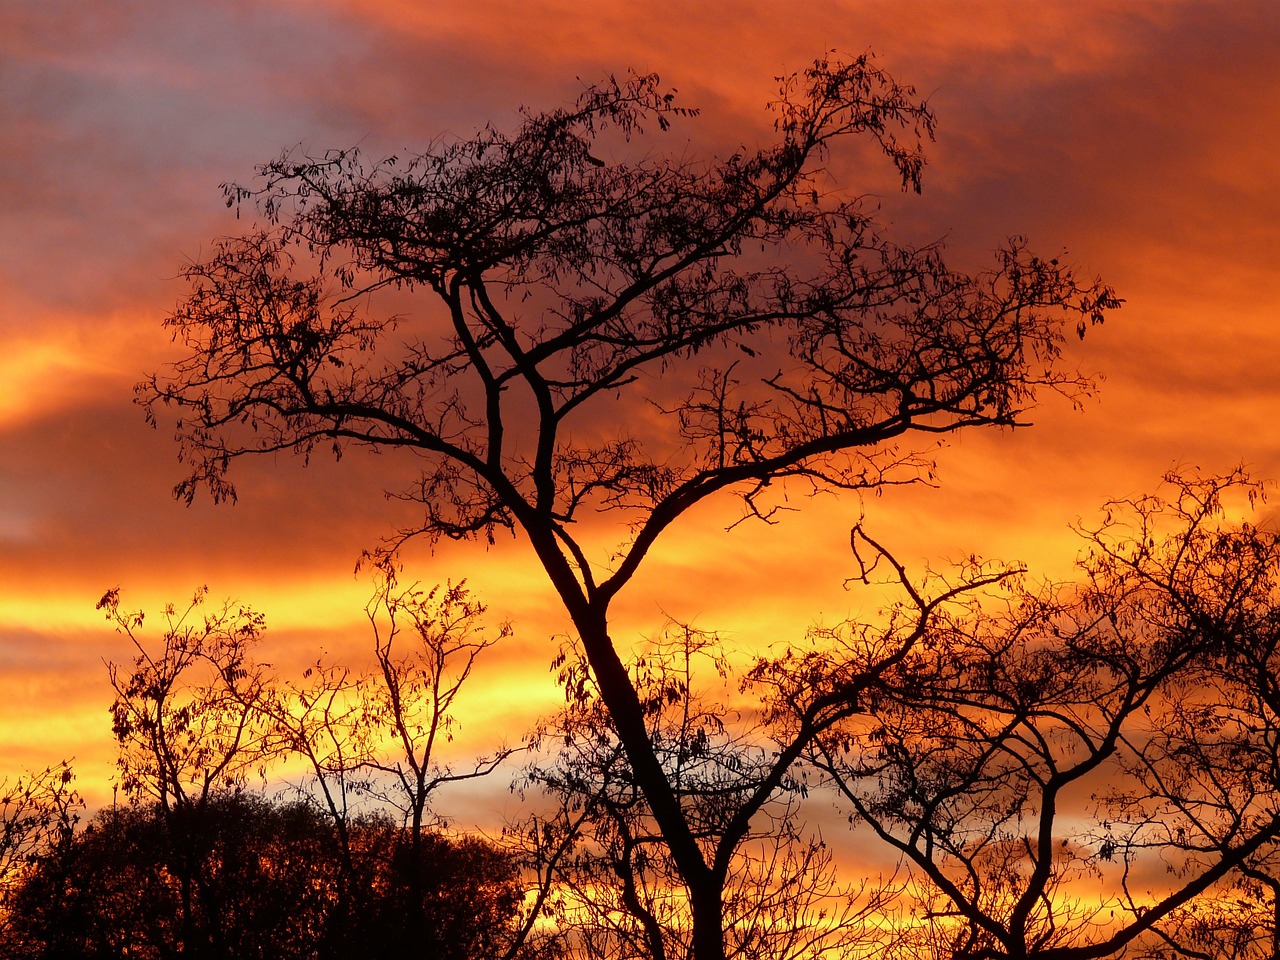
778	333
264	870
619	894
426	643
1146	690
419	678
38	816
455	898
188	722
198	715
185	715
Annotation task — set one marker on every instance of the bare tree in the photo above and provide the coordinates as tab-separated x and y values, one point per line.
735	322
426	642
1069	772
618	892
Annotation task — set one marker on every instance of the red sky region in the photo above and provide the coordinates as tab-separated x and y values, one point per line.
1139	137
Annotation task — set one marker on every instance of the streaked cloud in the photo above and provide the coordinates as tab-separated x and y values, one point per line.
1136	136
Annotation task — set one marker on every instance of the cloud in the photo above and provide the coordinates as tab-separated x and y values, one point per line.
1133	135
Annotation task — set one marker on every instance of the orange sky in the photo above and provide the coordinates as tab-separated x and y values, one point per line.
1139	136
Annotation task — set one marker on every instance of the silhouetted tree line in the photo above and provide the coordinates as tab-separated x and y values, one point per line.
246	877
199	864
1059	771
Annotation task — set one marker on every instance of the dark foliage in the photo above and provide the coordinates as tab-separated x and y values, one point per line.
265	885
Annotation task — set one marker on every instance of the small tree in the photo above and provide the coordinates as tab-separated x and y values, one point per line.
619	893
734	323
185	713
188	722
426	643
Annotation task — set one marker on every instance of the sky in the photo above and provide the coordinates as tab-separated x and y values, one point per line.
1137	139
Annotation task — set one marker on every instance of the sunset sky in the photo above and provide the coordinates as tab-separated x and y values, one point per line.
1142	138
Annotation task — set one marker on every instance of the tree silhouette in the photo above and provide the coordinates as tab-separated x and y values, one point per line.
604	329
187	720
619	894
38	816
1070	772
184	713
198	715
426	642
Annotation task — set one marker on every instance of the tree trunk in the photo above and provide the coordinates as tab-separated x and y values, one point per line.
619	696
708	922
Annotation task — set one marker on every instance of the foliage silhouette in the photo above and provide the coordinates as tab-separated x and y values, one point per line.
38	816
267	890
198	715
1071	772
184	714
604	329
426	643
186	720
